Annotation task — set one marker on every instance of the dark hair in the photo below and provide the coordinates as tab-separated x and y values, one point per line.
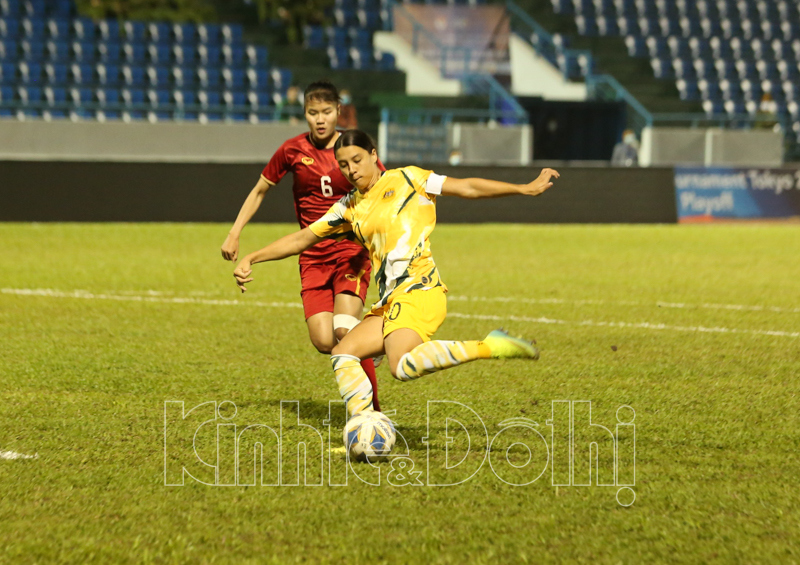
355	137
321	91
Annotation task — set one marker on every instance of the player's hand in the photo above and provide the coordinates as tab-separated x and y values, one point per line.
230	249
542	182
242	274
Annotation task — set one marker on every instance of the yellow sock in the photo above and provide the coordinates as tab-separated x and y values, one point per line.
434	356
354	385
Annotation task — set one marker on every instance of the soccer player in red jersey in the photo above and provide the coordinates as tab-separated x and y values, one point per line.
334	275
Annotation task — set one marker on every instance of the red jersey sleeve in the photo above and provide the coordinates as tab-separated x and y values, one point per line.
278	166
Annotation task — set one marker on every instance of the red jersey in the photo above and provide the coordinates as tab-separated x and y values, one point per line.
317	185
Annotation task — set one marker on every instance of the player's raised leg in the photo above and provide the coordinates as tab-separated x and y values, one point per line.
363	342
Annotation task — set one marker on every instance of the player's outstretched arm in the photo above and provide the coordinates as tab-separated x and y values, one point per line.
292	244
230	248
485	188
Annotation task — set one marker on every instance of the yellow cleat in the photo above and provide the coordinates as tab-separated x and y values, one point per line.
503	346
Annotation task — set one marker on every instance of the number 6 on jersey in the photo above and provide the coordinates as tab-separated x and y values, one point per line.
325	185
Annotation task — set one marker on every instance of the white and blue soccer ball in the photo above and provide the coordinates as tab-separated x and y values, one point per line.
369	435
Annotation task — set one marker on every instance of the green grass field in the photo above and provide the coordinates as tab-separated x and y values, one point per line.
697	328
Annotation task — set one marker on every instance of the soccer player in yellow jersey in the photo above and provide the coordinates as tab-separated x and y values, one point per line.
392	214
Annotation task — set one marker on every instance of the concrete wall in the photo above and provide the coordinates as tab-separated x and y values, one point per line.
214	192
666	146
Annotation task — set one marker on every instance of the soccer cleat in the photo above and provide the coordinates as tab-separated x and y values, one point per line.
503	346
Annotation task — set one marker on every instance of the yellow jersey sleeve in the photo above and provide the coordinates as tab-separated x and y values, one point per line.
334	224
419	180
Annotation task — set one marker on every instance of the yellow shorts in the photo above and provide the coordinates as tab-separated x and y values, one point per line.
420	310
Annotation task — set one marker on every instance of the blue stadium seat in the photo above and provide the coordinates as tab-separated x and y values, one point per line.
731	90
733	28
662	68
6	99
704	69
607	25
108	75
184	100
771	29
699	48
258	79
209	55
83	52
384	61
159	54
257	56
185	33
678	47
713	107
8	50
32	51
34	8
209	34
774	88
29	95
360	38
688	90
109	31
234	78
629	25
746	70
259	100
762	49
281	78
711	27
314	37
210	102
33	29
767	70
83	29
58	29
56	99
158	98
233	55
636	46
56	74
720	48
109	101
184	77
368	4
158	32
157	77
345	4
791	90
369	18
134	31
361	58
81	74
133	101
735	107
10	8
184	54
209	77
81	99
709	89
57	51
8	72
133	76
10	29
30	73
231	34
109	53
726	70
690	27
134	53
789	70
345	18
587	25
684	68
236	105
337	37
657	47
751	90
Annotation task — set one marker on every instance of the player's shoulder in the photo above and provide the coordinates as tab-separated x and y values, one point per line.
297	142
414	175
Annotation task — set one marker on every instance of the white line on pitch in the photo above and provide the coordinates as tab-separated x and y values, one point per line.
11	455
540	320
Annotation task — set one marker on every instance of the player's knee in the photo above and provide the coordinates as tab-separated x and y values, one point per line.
342	349
322	345
340	333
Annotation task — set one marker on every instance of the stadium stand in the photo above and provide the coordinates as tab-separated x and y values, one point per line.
55	64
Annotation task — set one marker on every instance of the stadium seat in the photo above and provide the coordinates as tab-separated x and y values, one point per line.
34	8
159	54
134	53
57	51
184	33
209	77
210	102
360	38
108	75
83	52
56	100
258	79
233	55
133	101
81	74
662	68
10	8
337	37
6	100
684	68
184	54
32	51
109	53
338	58
134	31
789	71
751	90
257	56
33	29
158	33
281	79
259	100
56	74
236	105
184	77
8	50
108	100
712	107
83	29
158	99
361	58
234	78
58	29
158	77
345	18
369	19
314	37
30	73
231	34
688	89
184	101
30	95
209	34
209	55
133	76
384	61
636	46
109	31
10	29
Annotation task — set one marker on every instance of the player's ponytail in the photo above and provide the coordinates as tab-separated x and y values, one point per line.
355	137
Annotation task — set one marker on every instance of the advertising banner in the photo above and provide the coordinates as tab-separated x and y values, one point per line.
722	193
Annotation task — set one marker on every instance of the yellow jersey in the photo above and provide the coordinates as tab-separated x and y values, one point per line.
393	221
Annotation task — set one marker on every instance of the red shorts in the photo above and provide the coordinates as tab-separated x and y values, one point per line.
322	281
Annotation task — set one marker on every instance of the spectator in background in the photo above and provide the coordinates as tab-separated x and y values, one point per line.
626	152
291	105
348	115
767	115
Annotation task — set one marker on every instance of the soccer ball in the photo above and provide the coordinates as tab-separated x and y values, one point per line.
369	435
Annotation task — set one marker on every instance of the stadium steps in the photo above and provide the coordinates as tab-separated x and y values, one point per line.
611	57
